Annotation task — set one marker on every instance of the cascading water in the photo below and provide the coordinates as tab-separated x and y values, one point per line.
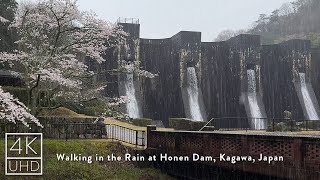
193	94
132	105
255	110
311	110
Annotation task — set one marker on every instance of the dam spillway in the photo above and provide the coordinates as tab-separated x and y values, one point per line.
256	115
307	100
132	106
193	94
221	69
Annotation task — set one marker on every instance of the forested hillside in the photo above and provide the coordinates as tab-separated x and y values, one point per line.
299	19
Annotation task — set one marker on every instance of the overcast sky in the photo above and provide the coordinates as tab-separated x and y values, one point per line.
164	18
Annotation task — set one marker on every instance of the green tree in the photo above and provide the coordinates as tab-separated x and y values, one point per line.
298	19
7	10
315	39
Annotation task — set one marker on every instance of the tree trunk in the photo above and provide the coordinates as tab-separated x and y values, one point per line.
33	99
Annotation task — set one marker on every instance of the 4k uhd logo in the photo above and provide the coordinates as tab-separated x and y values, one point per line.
23	154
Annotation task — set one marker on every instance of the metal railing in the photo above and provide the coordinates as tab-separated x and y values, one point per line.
126	135
300	152
271	124
128	20
72	130
61	130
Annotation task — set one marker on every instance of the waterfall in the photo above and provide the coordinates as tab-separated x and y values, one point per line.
255	110
311	110
132	105
193	94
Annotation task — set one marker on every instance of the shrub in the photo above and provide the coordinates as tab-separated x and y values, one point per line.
185	124
92	108
196	126
141	122
310	125
90	111
179	123
284	126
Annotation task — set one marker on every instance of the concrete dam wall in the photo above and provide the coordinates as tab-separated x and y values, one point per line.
202	80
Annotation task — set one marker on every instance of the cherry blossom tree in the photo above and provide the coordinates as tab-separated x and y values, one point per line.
135	68
13	110
55	38
3	20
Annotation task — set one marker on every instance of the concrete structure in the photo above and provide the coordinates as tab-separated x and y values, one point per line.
300	154
221	69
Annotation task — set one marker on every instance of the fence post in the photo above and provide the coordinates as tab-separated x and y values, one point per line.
65	130
131	136
313	125
101	129
244	144
112	131
150	128
297	154
137	138
306	125
143	140
247	126
42	129
273	125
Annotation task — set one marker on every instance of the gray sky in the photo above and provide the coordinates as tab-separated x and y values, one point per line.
164	18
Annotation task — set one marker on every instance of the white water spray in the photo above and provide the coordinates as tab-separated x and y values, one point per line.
255	110
311	110
193	94
132	106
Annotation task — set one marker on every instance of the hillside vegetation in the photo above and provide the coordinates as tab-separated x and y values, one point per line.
296	20
299	19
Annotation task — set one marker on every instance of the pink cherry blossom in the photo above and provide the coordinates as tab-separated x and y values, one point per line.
55	39
11	109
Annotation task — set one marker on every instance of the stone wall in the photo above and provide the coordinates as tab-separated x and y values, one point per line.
224	75
315	72
161	95
281	64
300	153
221	69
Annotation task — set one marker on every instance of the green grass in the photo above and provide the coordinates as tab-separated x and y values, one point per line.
54	169
61	112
